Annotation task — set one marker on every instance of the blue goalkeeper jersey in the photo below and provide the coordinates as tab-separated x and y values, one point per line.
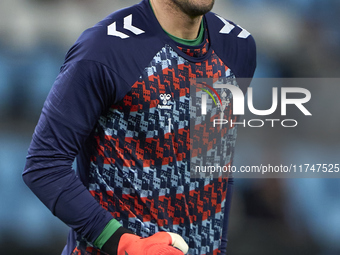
120	105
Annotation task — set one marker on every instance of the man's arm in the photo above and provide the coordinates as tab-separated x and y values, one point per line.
81	92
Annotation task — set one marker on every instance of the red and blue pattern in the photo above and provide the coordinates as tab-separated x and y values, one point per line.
141	169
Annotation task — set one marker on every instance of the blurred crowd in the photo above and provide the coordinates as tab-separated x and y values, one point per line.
295	39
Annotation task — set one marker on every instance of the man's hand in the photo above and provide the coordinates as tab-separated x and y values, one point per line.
161	243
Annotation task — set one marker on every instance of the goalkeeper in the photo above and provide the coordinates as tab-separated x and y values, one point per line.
120	106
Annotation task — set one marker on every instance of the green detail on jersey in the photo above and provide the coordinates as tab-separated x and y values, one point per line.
108	231
187	42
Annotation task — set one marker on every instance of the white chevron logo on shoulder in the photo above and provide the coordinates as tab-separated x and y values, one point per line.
228	27
112	29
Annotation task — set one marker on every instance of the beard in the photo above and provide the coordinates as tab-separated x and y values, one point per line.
194	8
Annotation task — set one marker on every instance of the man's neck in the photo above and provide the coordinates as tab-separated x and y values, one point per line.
174	21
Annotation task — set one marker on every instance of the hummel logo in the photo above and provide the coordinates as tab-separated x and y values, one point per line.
165	99
228	27
112	29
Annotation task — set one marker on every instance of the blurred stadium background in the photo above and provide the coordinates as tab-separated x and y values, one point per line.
295	38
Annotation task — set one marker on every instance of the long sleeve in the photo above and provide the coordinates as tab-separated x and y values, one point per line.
82	91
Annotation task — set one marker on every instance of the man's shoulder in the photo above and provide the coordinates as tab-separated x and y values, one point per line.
125	42
120	33
233	44
224	29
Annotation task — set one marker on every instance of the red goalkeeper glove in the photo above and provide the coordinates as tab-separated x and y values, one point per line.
161	243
